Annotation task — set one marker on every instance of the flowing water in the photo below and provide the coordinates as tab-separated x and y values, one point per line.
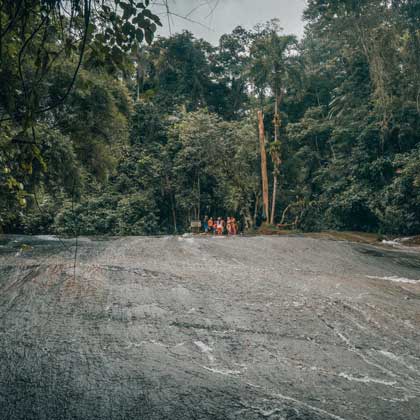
208	328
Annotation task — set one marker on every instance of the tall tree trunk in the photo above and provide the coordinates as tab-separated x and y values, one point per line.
169	191
174	214
264	175
199	197
139	75
275	155
277	117
257	205
273	204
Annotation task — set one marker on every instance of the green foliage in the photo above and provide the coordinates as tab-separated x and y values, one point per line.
42	46
141	139
357	138
108	214
401	199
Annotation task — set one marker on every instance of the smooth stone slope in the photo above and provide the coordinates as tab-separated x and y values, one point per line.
208	328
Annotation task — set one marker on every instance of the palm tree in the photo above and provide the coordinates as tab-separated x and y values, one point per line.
272	56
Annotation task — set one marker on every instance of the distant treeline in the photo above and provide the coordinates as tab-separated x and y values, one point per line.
152	136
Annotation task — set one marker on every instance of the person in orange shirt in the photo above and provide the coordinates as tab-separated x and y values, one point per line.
219	226
210	225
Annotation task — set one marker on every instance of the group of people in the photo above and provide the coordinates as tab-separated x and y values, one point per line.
220	226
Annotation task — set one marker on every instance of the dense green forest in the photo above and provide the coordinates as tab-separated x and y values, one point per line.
106	129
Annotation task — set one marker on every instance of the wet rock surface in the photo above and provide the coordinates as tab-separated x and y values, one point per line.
208	328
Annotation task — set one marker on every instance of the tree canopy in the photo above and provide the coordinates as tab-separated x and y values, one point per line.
105	130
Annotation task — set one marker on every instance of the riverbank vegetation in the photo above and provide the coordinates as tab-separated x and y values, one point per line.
106	131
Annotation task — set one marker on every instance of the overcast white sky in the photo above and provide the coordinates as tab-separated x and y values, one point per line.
218	17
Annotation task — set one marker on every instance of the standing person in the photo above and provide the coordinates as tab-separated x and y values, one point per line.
223	226
211	225
219	226
206	224
234	226
229	226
